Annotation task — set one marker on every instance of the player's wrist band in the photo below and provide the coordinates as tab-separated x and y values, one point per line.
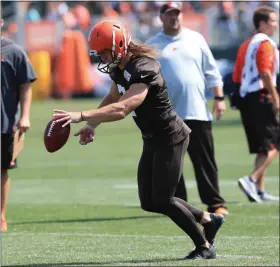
220	98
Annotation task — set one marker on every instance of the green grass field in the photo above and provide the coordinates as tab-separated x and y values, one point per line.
79	206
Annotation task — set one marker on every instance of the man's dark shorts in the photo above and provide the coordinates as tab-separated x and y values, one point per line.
260	121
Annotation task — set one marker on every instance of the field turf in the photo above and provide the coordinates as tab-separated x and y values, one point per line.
79	206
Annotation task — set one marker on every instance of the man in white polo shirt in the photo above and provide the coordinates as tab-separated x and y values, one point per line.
189	70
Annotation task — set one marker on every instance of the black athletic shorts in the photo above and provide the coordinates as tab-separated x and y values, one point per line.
260	121
7	142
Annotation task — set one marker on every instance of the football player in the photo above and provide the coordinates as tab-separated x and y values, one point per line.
139	88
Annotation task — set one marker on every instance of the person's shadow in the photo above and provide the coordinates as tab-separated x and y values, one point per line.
106	263
102	219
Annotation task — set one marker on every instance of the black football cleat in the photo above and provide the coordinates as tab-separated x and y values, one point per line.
201	253
211	228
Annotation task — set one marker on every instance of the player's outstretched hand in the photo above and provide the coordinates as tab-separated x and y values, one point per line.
67	116
86	134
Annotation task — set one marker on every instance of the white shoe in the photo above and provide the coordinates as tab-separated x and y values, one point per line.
267	197
249	188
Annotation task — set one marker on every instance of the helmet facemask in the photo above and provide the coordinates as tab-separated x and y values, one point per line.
107	67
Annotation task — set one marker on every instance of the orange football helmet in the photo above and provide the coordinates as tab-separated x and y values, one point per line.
109	35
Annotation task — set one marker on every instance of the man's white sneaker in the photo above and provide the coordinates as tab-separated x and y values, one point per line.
249	188
264	196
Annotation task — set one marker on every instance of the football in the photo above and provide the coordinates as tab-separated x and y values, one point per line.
56	136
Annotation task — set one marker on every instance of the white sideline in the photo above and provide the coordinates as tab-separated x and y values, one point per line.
239	257
127	236
192	183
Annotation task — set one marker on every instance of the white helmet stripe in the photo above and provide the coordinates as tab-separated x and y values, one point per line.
125	45
126	41
114	42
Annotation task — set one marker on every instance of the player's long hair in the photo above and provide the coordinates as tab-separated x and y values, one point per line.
139	49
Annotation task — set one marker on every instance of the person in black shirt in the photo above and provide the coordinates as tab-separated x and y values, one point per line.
17	74
138	88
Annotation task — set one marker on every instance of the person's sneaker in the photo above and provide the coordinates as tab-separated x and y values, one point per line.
201	253
249	188
222	211
264	196
211	228
4	226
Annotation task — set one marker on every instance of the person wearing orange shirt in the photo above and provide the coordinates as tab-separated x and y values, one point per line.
255	74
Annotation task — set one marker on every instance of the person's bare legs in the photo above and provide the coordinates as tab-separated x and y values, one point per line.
5	188
261	163
257	176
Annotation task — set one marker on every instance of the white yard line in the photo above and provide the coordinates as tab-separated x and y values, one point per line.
126	236
264	217
192	183
239	257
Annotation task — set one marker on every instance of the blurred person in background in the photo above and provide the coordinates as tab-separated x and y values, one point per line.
243	27
139	88
32	13
82	16
189	70
17	74
226	23
56	10
255	75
